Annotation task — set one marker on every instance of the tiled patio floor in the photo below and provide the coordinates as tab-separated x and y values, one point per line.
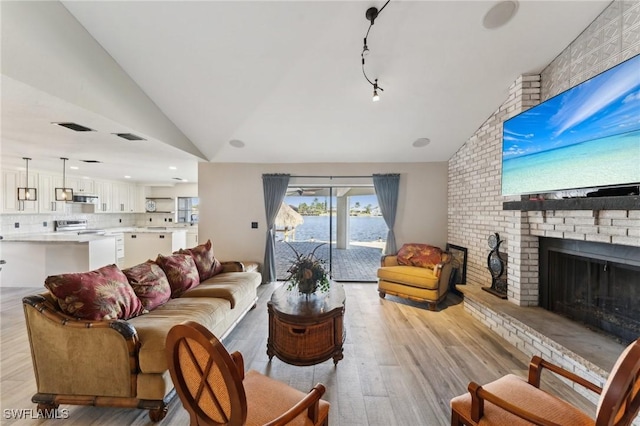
357	263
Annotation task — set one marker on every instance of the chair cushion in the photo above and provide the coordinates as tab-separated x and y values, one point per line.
421	255
409	275
150	284
102	294
268	398
181	271
518	392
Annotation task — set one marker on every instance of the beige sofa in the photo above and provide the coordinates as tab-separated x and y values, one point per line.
122	363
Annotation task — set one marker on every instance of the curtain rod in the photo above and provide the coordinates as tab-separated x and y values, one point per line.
332	177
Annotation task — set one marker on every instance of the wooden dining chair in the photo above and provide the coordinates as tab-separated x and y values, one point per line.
513	401
214	389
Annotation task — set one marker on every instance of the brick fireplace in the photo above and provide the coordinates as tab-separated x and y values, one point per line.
475	204
477	209
620	227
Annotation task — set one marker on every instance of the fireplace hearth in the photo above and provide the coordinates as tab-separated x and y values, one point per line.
593	283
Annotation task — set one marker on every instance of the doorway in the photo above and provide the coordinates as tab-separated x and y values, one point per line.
343	224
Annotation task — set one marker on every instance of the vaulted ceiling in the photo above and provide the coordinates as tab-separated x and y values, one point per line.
284	80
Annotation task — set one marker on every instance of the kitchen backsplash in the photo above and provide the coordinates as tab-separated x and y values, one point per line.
43	223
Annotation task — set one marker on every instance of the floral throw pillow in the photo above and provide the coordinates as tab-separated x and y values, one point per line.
421	255
207	264
150	284
181	272
103	294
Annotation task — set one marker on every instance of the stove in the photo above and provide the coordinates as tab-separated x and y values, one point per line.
78	226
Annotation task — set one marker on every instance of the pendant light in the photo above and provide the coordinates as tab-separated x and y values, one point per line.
64	193
26	193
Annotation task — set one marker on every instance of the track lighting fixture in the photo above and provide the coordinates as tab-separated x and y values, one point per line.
371	14
376	97
25	193
64	193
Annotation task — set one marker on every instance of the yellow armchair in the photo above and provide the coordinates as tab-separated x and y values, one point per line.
417	272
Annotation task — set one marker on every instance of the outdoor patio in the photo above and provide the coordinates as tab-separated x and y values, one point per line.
357	263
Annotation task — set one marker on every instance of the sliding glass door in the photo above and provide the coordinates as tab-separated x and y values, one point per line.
342	224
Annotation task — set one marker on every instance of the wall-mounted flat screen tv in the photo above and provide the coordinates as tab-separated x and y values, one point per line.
586	137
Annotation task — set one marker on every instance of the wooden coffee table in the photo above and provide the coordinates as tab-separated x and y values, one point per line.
306	331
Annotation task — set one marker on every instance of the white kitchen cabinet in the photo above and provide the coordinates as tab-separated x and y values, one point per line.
11	181
136	198
142	246
47	185
192	238
81	186
119	236
103	191
120	197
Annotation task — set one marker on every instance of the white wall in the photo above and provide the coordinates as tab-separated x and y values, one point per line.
175	191
44	46
231	197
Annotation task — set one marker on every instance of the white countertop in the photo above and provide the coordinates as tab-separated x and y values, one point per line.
71	237
55	238
155	230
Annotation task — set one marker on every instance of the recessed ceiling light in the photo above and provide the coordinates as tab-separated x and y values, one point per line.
500	14
74	167
236	143
173	168
127	177
420	142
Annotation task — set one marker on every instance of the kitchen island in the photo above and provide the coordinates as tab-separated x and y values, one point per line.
147	243
30	259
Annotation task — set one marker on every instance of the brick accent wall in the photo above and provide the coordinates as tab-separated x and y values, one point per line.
475	204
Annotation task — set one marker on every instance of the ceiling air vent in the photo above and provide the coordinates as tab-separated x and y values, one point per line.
180	179
91	161
76	127
130	136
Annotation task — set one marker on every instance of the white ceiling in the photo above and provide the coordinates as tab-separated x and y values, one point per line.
285	78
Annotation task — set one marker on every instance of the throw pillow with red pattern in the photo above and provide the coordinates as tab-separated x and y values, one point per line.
103	294
181	272
150	284
421	255
207	264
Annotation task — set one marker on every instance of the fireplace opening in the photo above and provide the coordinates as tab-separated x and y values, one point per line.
596	284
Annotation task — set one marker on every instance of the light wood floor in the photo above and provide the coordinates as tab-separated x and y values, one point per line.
402	363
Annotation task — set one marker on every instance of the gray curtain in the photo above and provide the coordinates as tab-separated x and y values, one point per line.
275	188
387	187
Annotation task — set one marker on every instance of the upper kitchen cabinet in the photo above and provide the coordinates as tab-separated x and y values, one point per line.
81	186
11	181
120	198
127	198
47	185
137	198
103	190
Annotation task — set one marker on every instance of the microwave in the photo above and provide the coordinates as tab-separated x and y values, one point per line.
84	198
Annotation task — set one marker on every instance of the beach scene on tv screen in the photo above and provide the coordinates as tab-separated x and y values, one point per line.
588	136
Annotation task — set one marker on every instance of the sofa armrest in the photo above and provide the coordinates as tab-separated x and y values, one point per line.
389	260
232	266
79	357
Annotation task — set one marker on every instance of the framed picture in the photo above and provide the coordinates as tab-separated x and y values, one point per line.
459	274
